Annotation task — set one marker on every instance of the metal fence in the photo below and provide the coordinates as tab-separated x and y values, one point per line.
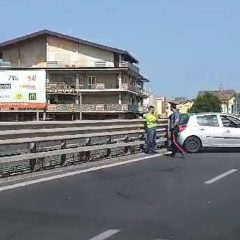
36	146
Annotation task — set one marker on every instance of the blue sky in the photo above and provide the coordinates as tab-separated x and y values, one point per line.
183	45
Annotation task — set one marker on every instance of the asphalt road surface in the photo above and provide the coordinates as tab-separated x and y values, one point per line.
197	198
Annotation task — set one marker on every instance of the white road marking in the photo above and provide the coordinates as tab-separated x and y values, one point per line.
221	176
105	234
63	175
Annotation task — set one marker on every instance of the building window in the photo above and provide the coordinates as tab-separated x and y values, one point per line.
80	81
208	121
91	80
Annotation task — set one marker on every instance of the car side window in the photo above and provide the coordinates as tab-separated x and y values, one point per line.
227	122
208	120
234	120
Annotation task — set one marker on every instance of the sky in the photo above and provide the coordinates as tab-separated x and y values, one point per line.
183	46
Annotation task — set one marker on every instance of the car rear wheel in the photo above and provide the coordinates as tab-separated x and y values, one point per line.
193	144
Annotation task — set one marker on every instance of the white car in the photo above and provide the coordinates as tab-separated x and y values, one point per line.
212	130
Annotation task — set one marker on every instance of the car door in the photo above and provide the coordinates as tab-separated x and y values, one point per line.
231	133
209	130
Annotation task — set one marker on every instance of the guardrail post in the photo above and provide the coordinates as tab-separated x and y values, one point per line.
88	153
109	141
63	156
32	162
126	149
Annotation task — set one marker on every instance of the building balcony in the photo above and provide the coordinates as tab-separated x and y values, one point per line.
101	87
130	66
92	108
136	89
64	88
99	64
75	64
60	88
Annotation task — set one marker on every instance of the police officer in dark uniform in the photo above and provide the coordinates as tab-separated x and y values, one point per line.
174	119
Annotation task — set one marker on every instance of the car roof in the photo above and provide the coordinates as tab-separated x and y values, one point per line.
210	113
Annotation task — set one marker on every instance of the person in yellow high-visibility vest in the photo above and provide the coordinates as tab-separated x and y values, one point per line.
151	119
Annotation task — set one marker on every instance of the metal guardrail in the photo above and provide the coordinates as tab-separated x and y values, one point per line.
41	146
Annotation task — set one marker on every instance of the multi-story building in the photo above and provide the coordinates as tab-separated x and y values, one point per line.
84	80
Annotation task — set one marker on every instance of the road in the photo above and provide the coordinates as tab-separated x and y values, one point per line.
155	199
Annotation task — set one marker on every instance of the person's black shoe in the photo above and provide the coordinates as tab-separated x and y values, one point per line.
182	156
152	152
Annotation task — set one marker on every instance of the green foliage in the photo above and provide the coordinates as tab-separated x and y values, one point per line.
206	103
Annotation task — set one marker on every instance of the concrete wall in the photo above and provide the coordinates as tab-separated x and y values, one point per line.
110	80
109	98
11	55
100	98
71	53
27	54
61	50
68	53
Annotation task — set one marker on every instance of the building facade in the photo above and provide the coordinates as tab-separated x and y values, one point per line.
160	104
183	104
84	80
229	100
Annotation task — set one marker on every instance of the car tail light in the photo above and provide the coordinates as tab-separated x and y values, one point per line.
182	128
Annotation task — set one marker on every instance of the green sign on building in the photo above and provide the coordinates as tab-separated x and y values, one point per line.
32	96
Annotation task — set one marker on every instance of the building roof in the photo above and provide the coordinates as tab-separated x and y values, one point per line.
223	95
45	32
179	100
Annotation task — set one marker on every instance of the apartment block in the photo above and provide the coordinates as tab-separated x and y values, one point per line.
84	80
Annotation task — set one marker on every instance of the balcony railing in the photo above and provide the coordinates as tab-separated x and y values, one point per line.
77	64
100	64
63	108
130	66
59	88
99	86
92	108
63	88
127	86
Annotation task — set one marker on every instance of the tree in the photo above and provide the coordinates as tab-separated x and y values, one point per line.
206	103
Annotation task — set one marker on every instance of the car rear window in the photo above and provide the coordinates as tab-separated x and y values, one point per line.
184	119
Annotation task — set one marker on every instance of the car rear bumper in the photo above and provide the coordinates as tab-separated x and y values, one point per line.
181	138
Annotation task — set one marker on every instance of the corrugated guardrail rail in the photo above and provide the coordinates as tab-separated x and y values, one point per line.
34	146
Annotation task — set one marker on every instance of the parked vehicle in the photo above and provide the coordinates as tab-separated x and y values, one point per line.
212	130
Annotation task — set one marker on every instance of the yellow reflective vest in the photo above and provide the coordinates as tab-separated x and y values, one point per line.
151	120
